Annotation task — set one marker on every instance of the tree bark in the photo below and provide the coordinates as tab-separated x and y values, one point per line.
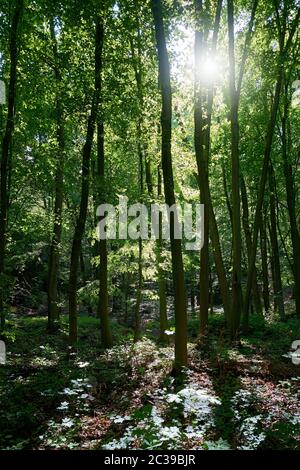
166	155
201	152
6	145
291	201
278	293
137	65
103	300
236	302
266	159
85	186
162	288
248	238
53	267
213	227
264	264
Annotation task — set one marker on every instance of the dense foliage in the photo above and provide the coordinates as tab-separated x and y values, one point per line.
157	101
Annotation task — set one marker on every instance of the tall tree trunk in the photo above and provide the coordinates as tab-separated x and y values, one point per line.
218	258
214	231
226	192
6	145
103	301
259	204
275	304
278	293
267	152
85	186
213	227
53	267
264	264
137	313
236	303
137	65
291	201
162	288
201	152
166	128
248	238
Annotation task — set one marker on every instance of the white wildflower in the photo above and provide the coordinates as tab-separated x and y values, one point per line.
67	423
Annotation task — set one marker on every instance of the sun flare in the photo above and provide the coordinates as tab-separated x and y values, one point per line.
210	69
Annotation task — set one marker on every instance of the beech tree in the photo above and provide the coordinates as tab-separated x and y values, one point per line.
5	167
85	185
166	156
59	185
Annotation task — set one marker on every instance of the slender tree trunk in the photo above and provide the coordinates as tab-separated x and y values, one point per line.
126	288
227	196
236	303
144	162
82	266
267	152
259	204
137	313
220	268
278	293
213	227
137	64
201	151
85	186
203	138
192	295
163	317
235	97
53	267
264	263
103	301
248	238
6	145
176	249
275	303
211	293
291	202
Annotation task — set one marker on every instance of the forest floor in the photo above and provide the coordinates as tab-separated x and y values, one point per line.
231	398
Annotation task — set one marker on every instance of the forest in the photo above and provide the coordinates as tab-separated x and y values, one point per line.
149	225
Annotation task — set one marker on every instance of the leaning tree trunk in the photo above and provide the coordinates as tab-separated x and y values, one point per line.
166	130
267	153
85	186
6	145
260	199
59	181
